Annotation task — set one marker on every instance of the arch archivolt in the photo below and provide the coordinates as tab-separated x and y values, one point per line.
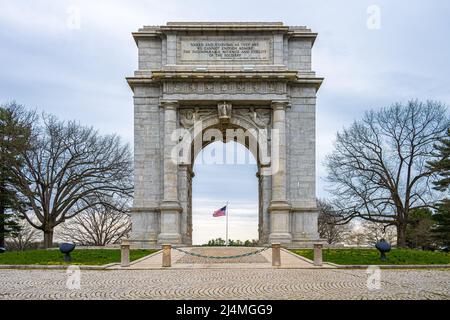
248	126
245	126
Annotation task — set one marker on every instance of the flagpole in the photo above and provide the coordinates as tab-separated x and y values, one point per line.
226	236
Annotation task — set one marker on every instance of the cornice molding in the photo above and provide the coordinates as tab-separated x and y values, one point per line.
224	27
231	75
161	77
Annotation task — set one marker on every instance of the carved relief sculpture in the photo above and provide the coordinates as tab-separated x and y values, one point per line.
188	117
224	110
260	117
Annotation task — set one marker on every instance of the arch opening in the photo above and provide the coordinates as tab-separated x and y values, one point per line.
220	178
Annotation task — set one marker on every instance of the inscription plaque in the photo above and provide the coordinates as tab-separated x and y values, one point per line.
229	50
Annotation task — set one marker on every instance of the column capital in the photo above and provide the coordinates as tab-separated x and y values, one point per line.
169	104
279	104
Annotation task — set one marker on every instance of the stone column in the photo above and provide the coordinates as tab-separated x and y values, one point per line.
185	175
265	190
170	206
279	207
279	152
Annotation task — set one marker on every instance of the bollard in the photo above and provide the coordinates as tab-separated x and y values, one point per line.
318	254
166	256
125	254
276	255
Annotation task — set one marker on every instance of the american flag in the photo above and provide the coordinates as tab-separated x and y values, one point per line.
220	213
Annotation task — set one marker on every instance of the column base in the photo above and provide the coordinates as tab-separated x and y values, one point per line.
170	223
278	237
145	227
280	222
169	238
306	243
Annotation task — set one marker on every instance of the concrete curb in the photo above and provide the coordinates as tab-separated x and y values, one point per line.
222	267
297	256
331	265
390	266
382	266
145	258
117	266
63	267
111	267
386	266
53	267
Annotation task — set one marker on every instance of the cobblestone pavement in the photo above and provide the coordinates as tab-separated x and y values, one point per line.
226	284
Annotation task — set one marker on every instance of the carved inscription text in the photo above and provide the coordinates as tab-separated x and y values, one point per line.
223	50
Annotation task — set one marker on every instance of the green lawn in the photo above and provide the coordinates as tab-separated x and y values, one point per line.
79	257
372	256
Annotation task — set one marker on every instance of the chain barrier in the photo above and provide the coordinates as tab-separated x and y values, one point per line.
223	257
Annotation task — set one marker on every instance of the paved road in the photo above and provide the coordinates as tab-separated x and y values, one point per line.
225	284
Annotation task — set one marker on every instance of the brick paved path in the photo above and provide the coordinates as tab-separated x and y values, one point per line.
225	284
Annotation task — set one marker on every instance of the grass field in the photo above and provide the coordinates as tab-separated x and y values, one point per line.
79	257
372	256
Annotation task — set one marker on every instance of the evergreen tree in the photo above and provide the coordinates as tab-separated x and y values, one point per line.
442	168
15	129
419	229
442	219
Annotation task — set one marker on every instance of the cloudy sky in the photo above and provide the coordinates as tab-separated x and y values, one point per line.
70	58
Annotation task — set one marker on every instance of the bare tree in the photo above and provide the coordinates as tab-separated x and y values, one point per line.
374	232
356	236
24	238
69	169
378	168
103	224
329	226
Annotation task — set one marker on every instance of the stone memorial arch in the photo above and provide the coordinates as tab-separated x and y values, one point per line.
195	78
